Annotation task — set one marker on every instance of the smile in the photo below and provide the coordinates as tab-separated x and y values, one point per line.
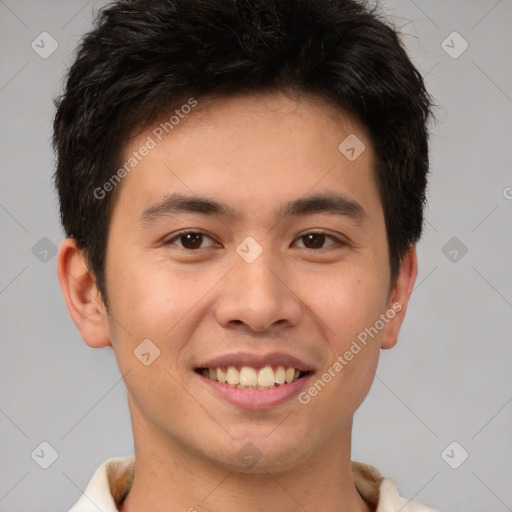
248	377
255	381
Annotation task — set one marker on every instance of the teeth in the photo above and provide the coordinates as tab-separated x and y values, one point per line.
280	375
221	375
266	377
233	376
248	377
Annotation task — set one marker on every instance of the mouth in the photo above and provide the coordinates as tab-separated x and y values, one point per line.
250	377
252	381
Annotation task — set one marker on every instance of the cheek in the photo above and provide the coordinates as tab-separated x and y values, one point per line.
347	302
348	308
146	296
143	306
153	299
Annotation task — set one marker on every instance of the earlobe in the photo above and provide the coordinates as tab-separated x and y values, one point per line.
399	297
82	296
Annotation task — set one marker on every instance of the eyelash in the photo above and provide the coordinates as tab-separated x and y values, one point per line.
177	236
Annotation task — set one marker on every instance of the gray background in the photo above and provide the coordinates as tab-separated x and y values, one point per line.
449	377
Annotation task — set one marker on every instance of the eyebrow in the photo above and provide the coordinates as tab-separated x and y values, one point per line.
330	203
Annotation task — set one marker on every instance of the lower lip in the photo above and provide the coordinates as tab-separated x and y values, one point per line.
257	398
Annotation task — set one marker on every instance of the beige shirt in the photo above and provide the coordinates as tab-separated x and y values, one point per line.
112	481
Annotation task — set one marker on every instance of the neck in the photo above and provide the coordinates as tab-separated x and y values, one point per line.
169	477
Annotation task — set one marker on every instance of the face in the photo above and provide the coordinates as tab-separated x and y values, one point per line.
246	241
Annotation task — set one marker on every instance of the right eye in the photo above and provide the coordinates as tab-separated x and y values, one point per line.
189	240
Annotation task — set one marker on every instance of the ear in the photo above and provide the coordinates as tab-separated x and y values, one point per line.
399	297
83	298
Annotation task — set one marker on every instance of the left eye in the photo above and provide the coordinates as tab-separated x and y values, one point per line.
316	239
192	240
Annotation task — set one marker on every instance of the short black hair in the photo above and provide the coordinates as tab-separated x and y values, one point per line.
145	58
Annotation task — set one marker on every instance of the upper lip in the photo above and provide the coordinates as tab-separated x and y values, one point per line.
256	361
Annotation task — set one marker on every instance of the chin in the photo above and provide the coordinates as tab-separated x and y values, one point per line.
260	454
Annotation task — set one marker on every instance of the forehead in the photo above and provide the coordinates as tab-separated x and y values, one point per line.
256	149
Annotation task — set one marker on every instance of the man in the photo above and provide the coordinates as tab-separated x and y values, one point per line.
242	188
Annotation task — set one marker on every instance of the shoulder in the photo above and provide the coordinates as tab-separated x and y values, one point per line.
108	486
381	492
391	501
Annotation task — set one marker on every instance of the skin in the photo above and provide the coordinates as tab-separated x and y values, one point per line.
253	153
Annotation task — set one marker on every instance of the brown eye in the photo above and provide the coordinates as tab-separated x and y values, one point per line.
314	240
317	240
189	240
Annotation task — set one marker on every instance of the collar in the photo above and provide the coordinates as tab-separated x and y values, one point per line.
113	479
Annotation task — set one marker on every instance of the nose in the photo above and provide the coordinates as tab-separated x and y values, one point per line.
258	297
